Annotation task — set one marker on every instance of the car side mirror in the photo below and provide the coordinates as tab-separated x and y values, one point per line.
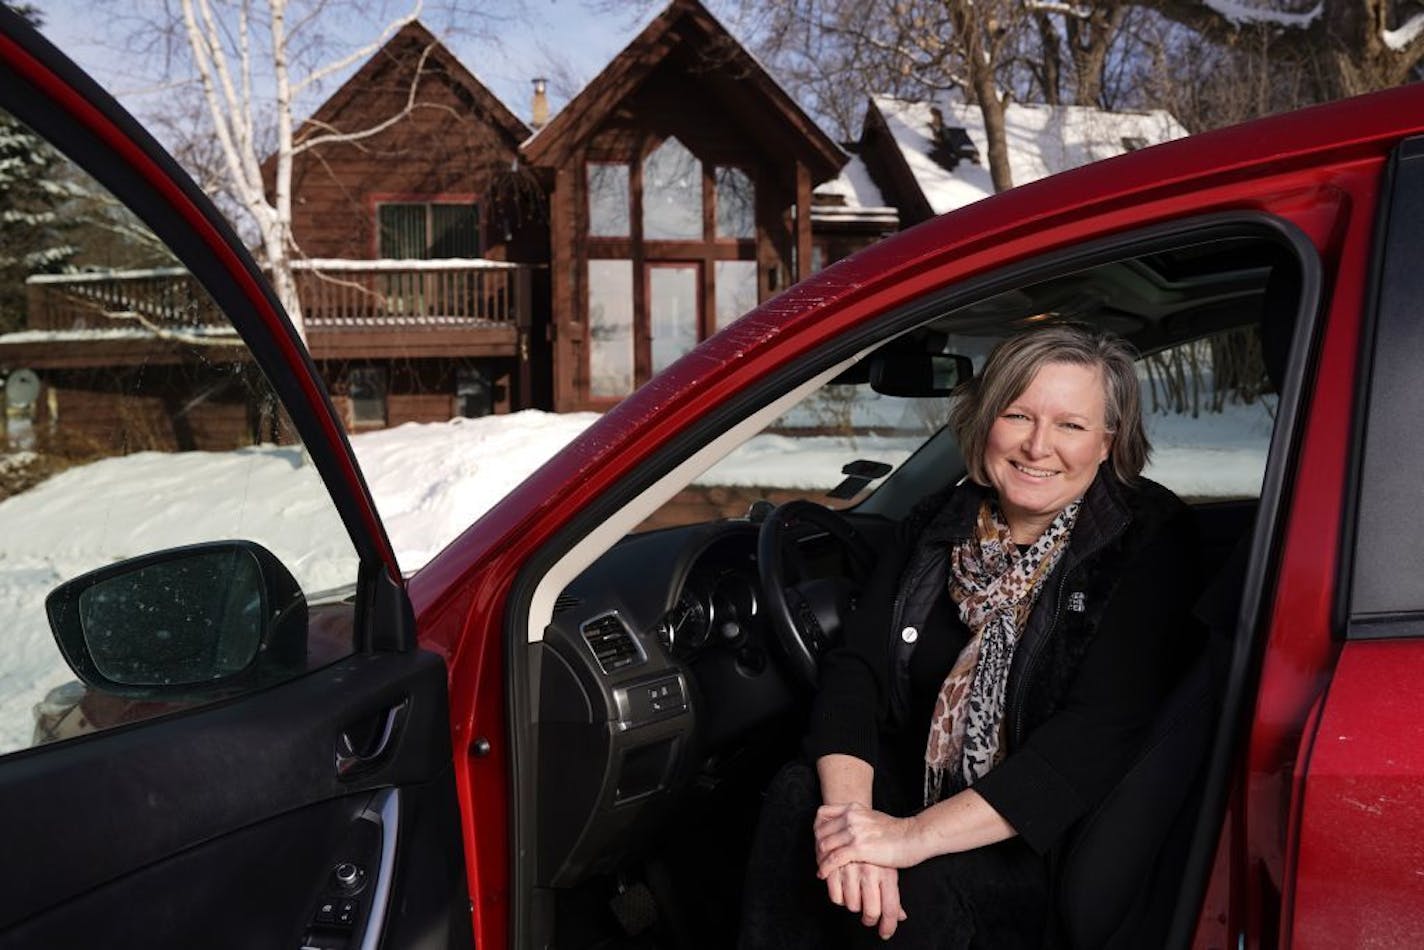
918	375
181	621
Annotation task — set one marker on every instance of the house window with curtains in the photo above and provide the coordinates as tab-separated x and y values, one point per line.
413	230
671	258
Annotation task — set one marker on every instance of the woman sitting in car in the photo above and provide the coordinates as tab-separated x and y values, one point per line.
998	672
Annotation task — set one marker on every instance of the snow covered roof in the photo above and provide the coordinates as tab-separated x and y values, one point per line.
852	196
1043	140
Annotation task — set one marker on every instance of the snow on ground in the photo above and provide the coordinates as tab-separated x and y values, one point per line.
1213	455
429	482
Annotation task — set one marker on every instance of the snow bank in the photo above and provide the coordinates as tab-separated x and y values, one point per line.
432	480
1213	455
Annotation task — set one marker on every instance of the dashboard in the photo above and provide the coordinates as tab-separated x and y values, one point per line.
657	667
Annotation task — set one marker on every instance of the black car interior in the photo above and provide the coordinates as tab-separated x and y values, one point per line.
671	683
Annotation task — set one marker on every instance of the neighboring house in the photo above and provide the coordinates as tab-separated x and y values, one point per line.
423	246
681	185
848	213
441	326
931	157
461	261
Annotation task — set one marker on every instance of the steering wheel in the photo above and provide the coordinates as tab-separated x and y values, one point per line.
807	613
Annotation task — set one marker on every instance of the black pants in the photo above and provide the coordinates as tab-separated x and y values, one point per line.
989	897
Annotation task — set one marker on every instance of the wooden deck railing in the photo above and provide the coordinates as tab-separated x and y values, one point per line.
444	292
341	294
164	298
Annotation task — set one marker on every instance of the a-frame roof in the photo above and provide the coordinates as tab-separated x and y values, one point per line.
403	50
685	22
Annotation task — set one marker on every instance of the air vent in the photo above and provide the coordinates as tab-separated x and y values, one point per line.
611	643
566	602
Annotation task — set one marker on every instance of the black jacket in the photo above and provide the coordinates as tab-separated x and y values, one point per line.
1108	636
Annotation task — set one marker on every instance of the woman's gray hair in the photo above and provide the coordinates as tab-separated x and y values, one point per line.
1012	366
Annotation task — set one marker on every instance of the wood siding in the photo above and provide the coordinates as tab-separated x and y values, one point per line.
101	412
450	145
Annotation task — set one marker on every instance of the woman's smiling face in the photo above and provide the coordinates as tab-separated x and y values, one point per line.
1045	447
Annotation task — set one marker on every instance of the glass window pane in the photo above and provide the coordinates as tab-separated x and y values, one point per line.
135	421
366	387
608	214
474	396
672	194
402	229
1208	416
736	289
456	230
736	204
610	328
672	307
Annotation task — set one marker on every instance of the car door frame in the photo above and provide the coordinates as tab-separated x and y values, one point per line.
155	831
596	514
1354	826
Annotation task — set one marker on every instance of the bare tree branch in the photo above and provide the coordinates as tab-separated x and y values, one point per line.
347	137
362	54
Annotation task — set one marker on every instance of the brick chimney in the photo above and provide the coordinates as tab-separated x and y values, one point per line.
540	110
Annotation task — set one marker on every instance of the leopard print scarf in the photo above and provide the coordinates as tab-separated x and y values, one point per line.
995	586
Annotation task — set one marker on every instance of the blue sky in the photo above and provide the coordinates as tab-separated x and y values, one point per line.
512	41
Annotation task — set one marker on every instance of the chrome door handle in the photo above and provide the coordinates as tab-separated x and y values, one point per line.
364	745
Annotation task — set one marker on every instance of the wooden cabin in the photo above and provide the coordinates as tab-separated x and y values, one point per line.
459	261
422	234
680	184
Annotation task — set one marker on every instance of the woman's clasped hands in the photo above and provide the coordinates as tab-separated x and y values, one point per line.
858	852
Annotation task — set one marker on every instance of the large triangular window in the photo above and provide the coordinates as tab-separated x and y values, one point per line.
672	194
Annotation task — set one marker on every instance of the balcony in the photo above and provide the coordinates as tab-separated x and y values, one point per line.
353	310
462	307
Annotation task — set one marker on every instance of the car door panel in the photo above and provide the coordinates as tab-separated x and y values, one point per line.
222	825
1357	847
1357	878
227	821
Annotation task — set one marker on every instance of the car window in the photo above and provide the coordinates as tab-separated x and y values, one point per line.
1209	416
805	452
135	421
1208	401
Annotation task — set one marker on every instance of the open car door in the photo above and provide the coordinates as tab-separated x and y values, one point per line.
245	747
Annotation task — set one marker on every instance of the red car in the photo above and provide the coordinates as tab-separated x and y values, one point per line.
555	732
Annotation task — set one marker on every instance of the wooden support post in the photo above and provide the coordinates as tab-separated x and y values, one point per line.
523	319
803	221
563	263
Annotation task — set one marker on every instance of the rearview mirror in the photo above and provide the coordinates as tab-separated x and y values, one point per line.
181	620
918	375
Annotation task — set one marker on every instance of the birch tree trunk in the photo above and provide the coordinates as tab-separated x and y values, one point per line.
220	36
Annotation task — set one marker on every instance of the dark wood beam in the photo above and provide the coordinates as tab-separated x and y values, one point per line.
803	221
